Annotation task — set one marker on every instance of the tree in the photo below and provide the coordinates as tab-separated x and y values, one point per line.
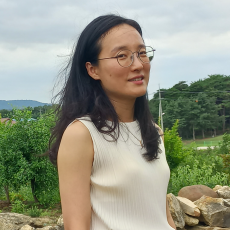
21	154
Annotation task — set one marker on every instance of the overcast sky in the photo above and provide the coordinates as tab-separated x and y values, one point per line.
191	38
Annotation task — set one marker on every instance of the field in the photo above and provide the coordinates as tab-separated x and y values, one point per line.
211	141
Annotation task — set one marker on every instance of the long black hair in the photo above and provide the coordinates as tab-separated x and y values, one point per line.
82	95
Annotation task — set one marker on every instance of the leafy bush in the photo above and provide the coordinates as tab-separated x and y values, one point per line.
175	153
197	174
17	206
224	146
48	198
34	211
208	156
16	196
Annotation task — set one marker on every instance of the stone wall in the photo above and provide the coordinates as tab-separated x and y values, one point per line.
198	207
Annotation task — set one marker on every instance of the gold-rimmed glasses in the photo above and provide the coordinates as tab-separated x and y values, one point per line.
125	57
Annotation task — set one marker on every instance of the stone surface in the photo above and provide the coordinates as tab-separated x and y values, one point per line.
195	192
200	227
213	212
13	221
60	223
27	227
217	187
176	211
190	221
227	202
41	222
49	228
188	206
224	192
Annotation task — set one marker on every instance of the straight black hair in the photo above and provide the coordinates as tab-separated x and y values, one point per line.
82	95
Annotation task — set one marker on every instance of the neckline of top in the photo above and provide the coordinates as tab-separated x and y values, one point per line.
131	123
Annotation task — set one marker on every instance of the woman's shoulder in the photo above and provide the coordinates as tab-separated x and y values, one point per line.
76	131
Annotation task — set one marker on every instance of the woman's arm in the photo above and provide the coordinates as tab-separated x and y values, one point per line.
169	217
75	158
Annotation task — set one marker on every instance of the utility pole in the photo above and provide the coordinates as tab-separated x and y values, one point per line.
160	110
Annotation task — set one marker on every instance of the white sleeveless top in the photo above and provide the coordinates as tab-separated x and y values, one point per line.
127	192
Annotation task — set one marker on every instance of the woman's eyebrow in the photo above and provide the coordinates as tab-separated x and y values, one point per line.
124	47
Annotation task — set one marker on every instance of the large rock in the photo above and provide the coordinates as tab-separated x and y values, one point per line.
195	192
13	221
27	227
217	187
213	212
41	222
188	206
190	221
60	223
227	202
176	211
49	228
224	192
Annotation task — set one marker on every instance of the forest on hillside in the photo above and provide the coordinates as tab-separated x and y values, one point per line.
202	108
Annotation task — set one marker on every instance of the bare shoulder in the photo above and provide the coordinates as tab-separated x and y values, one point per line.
76	131
76	142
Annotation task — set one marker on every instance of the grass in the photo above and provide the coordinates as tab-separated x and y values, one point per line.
211	141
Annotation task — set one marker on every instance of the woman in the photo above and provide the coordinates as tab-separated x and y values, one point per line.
111	162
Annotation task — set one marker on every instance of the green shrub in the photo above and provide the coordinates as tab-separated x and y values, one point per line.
34	211
17	206
175	153
16	196
209	157
224	145
197	174
48	198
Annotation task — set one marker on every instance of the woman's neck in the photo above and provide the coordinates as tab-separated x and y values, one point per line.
124	109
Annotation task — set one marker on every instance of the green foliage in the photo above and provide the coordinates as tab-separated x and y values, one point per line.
21	161
174	147
224	146
196	111
16	196
209	157
34	211
18	206
204	174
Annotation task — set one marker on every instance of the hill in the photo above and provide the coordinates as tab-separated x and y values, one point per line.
20	104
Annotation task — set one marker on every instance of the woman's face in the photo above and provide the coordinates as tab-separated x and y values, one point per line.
117	81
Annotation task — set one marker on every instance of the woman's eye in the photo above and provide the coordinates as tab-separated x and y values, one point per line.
143	53
121	56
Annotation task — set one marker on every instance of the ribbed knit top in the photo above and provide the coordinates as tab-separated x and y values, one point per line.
127	192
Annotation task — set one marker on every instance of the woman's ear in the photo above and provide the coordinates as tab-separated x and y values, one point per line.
92	71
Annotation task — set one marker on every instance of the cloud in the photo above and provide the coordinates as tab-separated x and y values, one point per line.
191	39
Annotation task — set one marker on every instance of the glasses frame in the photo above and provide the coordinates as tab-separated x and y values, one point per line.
132	57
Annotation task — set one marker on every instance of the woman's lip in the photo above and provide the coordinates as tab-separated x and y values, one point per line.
139	82
141	76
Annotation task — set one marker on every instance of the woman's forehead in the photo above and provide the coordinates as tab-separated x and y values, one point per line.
121	36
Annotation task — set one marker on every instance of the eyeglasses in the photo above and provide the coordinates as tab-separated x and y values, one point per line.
125	57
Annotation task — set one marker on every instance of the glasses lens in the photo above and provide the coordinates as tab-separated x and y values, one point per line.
146	54
124	58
